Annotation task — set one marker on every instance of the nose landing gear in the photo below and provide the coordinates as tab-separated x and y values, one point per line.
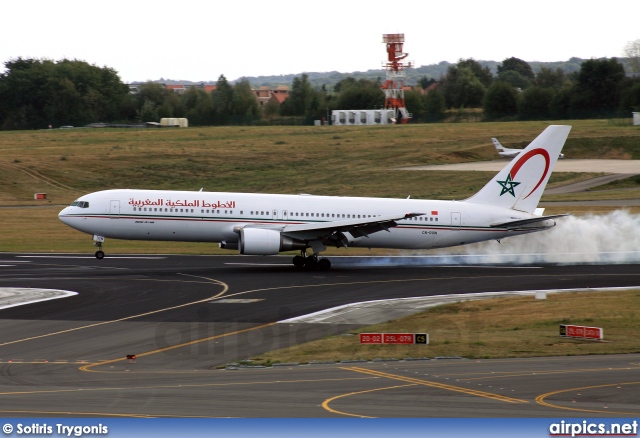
98	240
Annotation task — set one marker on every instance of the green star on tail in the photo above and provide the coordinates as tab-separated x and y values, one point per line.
508	186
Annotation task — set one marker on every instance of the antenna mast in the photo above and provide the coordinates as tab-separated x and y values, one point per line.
392	87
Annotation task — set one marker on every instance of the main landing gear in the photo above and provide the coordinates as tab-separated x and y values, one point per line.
311	262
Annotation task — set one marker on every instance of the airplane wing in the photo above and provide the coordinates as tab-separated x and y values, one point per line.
355	227
525	223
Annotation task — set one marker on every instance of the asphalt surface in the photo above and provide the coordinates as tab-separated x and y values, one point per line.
184	315
631	167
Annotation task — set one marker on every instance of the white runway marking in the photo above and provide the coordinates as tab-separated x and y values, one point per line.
19	296
259	264
92	257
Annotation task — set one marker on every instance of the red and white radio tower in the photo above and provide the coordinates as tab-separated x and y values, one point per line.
392	87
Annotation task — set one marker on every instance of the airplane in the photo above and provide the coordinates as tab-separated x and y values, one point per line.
508	153
267	224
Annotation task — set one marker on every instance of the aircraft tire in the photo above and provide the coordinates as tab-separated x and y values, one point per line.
298	261
311	263
99	255
324	264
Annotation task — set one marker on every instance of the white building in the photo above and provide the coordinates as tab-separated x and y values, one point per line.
363	117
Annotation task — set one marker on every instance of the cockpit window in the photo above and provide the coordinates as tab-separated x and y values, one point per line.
81	204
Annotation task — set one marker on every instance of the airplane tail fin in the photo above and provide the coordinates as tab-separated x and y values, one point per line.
520	184
497	144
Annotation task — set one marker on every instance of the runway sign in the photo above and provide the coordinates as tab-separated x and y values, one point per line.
394	338
579	331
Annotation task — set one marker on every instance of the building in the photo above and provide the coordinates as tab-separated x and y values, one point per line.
363	117
277	95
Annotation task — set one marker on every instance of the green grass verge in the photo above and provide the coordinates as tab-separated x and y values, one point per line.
495	328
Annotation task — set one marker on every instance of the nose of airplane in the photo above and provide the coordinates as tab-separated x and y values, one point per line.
63	215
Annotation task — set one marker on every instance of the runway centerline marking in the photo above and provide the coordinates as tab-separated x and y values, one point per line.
438	385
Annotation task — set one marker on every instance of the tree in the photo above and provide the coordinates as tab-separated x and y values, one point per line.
244	101
425	82
153	92
534	104
414	101
148	112
519	66
434	106
630	101
559	107
37	93
360	97
482	73
302	100
462	88
222	101
548	78
597	90
199	107
515	79
501	101
632	51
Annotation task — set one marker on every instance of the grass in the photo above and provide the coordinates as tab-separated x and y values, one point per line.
496	328
321	160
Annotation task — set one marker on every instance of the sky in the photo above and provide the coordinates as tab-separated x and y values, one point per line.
198	40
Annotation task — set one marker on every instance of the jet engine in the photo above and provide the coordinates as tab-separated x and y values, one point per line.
260	241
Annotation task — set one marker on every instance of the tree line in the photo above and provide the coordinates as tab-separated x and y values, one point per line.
36	94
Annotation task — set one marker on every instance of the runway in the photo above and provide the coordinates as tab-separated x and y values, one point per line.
182	316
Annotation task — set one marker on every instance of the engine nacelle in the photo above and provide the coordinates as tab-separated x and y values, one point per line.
260	241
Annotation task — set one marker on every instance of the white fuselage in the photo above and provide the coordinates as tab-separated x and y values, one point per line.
215	217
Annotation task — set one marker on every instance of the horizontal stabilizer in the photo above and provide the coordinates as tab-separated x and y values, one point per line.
524	222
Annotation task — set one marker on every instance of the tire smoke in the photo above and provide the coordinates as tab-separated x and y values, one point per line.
608	238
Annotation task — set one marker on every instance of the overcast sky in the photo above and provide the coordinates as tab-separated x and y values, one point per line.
200	40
